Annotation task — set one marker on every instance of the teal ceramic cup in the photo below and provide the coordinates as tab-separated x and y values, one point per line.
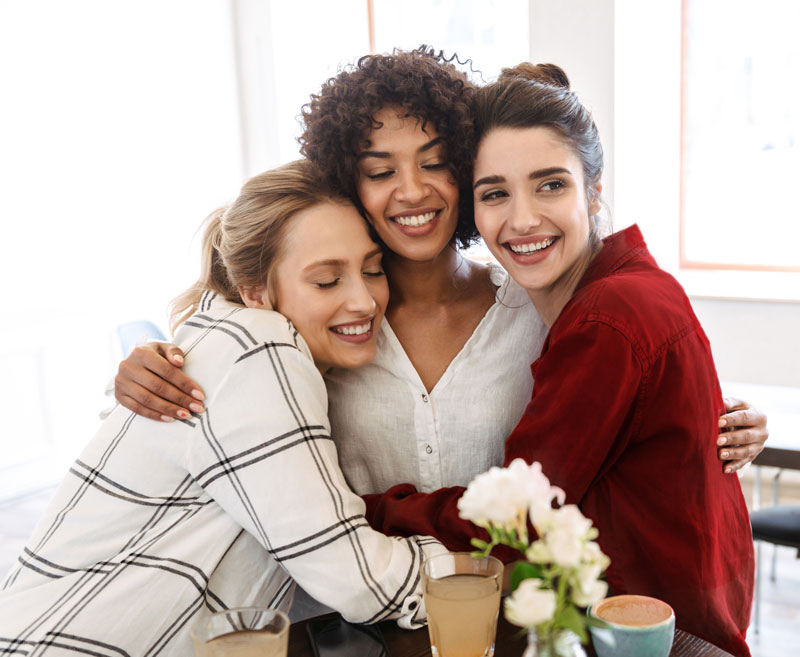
637	626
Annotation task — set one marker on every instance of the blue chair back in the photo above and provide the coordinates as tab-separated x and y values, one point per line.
131	333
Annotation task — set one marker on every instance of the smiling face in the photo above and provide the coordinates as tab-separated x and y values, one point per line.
330	284
531	208
406	187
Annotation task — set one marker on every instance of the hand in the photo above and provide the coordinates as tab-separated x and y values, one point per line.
150	383
743	432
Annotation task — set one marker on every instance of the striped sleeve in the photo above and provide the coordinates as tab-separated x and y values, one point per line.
265	454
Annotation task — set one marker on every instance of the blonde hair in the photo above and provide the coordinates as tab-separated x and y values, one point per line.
242	242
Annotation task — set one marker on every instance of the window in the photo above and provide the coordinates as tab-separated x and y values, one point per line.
740	136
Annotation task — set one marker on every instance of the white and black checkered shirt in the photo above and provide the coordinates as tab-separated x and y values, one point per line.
157	521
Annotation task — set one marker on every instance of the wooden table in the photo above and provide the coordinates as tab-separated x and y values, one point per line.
404	643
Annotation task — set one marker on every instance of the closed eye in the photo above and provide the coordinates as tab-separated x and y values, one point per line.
380	176
327	284
375	273
435	166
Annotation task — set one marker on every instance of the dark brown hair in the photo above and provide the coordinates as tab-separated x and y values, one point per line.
528	96
426	84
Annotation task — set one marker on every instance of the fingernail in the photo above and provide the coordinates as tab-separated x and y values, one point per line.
728	470
725	454
177	358
167	418
722	440
183	415
197	408
723	422
198	395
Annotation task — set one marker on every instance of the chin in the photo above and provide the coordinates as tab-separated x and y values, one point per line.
351	361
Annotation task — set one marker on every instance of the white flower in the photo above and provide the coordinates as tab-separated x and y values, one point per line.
583	597
538	553
530	605
565	535
502	496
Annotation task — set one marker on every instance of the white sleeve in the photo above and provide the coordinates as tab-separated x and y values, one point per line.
267	458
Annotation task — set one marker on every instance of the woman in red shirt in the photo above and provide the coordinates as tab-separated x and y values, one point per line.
623	352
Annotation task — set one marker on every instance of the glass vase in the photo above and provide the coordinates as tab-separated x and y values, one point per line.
558	643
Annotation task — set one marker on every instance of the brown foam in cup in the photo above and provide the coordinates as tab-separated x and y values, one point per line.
632	610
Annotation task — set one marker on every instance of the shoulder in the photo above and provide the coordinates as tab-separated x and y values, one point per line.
638	300
233	329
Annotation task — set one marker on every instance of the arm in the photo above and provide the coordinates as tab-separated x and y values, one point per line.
265	455
585	385
150	383
743	434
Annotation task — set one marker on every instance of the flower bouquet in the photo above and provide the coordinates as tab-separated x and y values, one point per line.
562	567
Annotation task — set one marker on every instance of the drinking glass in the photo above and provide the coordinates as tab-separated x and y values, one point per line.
242	632
462	596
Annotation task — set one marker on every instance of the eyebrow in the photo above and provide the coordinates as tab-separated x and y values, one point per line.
337	262
539	173
385	156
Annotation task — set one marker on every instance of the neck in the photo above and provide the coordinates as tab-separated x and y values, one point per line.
550	302
425	283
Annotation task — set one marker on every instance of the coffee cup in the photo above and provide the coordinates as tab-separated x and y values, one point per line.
634	625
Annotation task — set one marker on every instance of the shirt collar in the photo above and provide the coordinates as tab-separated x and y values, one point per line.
618	249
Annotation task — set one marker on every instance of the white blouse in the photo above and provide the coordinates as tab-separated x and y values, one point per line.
390	430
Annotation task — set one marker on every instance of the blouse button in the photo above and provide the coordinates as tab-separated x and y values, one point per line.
428	449
424	397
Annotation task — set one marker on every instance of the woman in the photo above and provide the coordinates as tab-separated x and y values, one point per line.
157	521
451	378
623	349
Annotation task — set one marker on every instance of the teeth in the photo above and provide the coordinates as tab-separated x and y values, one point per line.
531	247
353	330
415	220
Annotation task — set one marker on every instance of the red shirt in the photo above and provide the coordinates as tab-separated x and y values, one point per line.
624	419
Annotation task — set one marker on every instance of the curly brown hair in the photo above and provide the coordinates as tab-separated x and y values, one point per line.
427	84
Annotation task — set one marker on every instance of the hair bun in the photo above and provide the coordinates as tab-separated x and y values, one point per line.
543	73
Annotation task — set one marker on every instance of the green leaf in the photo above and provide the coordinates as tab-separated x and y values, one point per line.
570	618
478	543
524	570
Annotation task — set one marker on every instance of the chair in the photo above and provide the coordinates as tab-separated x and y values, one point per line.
131	333
779	525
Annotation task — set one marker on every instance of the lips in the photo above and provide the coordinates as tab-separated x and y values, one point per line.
530	250
420	219
355	332
531	247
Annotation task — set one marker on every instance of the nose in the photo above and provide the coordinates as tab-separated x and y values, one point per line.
524	216
359	299
411	188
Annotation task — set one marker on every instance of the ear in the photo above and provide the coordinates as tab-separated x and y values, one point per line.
255	296
594	198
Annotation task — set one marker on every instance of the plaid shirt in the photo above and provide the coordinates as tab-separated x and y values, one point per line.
155	521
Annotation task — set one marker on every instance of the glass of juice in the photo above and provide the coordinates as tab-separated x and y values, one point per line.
242	632
462	596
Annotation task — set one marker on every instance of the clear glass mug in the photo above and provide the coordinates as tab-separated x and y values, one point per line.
242	632
462	597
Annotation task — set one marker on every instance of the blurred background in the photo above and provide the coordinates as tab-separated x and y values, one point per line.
123	123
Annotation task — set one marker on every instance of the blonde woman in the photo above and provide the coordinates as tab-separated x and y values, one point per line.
156	522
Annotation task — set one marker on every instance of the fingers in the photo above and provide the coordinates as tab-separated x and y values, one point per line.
744	436
746	418
172	353
149	385
735	466
734	404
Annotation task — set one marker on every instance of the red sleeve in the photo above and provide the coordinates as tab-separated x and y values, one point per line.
584	392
